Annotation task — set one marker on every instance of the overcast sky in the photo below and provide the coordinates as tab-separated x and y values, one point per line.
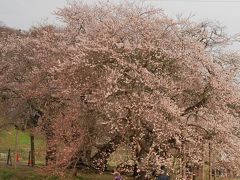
22	14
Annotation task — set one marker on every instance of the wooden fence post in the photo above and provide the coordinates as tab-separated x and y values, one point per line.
29	159
9	158
16	149
32	150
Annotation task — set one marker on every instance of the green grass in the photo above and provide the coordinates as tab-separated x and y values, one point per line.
7	140
22	173
26	173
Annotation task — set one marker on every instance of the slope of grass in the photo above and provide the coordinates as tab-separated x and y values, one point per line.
7	139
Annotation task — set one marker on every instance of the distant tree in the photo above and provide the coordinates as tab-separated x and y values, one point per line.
2	23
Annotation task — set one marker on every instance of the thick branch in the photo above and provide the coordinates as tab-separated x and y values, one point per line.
100	158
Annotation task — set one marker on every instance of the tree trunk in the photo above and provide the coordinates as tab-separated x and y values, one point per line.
210	161
183	162
215	172
203	161
135	168
50	154
99	160
32	150
50	149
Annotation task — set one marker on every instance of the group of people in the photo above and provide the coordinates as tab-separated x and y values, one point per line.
161	176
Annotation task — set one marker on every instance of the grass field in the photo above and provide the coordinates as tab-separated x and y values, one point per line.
26	173
7	141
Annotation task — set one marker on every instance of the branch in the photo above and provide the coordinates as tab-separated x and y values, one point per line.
200	103
195	106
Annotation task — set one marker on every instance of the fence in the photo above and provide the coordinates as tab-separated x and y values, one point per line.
23	158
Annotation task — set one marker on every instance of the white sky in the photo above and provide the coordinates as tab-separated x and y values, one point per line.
22	14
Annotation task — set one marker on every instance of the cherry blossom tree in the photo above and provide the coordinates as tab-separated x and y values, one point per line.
133	75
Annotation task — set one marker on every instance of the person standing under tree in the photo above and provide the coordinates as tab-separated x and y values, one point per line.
117	176
163	176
